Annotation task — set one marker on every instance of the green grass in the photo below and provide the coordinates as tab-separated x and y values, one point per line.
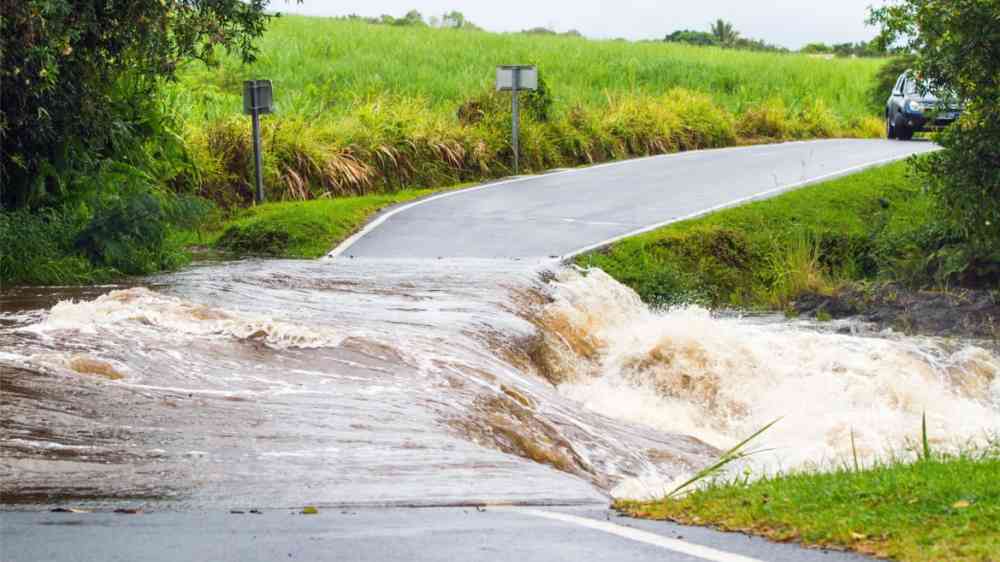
323	66
301	229
764	254
366	108
945	508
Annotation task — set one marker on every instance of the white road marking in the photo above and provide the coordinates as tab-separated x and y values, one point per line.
675	545
597	223
733	203
343	246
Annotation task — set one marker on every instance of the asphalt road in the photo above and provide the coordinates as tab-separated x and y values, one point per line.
413	535
552	215
563	213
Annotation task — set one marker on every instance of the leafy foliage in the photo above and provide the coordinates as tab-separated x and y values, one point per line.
956	48
886	78
73	70
724	32
691	37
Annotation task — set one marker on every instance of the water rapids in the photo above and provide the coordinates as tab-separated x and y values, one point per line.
368	382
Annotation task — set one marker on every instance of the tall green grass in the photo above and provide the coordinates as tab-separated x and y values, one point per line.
368	109
323	66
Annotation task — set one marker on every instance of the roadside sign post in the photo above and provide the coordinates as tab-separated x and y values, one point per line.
514	78
257	99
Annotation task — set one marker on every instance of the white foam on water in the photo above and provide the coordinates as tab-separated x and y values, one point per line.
421	383
720	379
138	308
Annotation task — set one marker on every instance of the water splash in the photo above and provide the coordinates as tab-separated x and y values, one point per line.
720	379
412	382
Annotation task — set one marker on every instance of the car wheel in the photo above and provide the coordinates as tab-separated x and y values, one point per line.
904	133
890	131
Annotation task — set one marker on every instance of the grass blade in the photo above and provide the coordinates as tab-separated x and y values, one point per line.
733	454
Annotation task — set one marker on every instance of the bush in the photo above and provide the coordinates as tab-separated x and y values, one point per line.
703	124
886	78
815	120
37	248
767	120
128	234
957	55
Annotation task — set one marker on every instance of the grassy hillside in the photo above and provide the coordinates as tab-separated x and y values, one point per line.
370	108
322	66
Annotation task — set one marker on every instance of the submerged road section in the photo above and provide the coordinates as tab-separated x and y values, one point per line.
561	214
374	387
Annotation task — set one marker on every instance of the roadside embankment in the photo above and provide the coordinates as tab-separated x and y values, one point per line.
863	245
941	508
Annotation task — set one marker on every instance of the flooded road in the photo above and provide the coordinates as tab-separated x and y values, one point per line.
437	382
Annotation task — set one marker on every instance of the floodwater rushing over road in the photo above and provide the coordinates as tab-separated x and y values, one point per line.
283	383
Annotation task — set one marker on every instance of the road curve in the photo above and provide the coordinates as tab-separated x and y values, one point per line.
561	214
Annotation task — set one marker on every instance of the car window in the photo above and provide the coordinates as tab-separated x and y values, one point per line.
910	87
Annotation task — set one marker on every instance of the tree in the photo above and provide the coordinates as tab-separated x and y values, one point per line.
724	32
690	37
454	19
413	17
956	50
75	73
816	49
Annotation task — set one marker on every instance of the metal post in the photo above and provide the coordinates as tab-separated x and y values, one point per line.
515	117
258	160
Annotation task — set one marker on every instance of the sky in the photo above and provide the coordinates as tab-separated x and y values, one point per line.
790	23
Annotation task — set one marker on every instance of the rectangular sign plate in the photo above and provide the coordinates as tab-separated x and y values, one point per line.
257	95
527	77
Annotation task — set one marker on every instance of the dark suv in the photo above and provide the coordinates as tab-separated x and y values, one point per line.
912	108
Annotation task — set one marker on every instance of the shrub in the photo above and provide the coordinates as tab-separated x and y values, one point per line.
37	248
957	55
766	120
128	234
815	120
885	79
703	124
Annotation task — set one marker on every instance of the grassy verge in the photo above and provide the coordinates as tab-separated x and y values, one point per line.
301	229
764	254
946	508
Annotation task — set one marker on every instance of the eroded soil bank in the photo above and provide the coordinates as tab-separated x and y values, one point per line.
963	313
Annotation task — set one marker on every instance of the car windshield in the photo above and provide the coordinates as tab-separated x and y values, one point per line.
926	89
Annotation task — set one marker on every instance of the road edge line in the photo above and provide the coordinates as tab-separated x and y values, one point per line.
380	219
638	535
756	196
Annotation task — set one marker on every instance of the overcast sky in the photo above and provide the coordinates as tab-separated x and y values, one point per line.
791	23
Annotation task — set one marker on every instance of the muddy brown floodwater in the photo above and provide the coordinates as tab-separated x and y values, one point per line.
397	382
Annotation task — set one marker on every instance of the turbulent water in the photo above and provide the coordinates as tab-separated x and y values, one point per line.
277	383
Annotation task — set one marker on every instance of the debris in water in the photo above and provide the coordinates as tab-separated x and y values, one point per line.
90	366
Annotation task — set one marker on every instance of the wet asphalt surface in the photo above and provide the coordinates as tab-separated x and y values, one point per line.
561	213
552	215
426	534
